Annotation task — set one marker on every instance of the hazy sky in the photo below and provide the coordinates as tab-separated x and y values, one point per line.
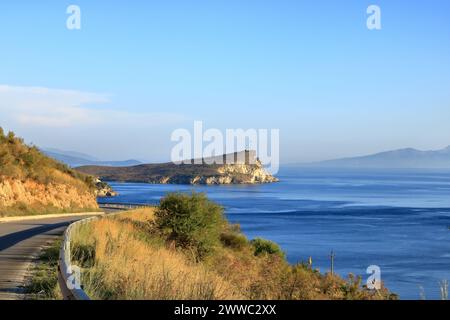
137	70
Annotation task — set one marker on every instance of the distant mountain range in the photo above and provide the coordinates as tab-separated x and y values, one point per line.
403	158
77	159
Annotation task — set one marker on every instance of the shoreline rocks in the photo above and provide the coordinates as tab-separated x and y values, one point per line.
104	190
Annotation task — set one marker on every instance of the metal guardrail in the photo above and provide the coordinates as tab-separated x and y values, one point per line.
68	279
123	206
69	275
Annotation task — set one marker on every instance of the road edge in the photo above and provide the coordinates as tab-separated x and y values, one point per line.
49	216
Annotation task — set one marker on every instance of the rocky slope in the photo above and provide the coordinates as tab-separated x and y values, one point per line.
244	169
33	183
15	193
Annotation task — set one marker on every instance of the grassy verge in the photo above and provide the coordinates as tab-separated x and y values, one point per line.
185	249
43	284
22	210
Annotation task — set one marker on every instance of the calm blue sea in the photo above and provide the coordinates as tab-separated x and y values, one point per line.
396	219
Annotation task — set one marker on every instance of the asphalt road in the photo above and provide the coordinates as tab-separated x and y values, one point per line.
20	244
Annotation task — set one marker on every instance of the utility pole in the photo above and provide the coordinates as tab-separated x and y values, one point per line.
332	262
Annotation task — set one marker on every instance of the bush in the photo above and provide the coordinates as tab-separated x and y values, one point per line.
263	246
11	137
190	221
233	240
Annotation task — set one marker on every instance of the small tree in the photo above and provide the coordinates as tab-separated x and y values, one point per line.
11	137
191	221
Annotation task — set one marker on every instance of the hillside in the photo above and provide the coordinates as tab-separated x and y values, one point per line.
75	159
32	183
185	249
248	171
403	158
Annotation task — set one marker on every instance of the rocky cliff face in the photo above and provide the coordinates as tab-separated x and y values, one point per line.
237	174
31	194
104	190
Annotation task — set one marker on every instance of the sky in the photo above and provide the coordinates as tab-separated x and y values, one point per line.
138	70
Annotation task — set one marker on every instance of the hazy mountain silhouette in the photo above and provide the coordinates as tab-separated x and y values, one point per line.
402	158
77	159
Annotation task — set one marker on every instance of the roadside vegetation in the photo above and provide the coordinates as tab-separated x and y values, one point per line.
185	249
23	209
43	283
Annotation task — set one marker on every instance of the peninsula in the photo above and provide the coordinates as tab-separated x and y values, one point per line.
246	168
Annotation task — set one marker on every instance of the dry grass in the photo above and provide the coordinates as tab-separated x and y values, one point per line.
125	258
22	210
20	161
129	265
139	215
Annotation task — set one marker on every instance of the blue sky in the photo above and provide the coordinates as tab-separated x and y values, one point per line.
138	70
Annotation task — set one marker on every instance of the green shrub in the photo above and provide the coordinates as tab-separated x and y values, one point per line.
11	137
191	221
233	240
263	246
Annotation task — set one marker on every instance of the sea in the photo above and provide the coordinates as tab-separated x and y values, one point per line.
398	220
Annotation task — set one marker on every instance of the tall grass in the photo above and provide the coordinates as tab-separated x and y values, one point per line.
127	257
131	265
